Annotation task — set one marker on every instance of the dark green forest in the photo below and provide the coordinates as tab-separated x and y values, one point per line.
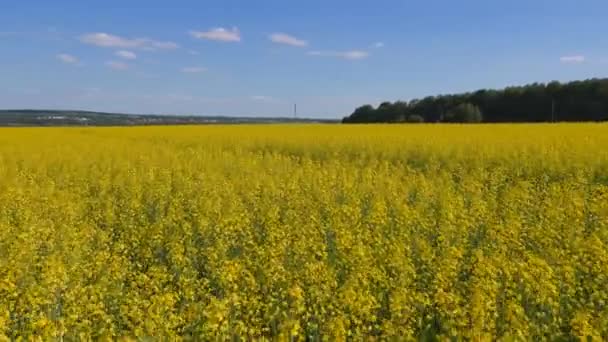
539	102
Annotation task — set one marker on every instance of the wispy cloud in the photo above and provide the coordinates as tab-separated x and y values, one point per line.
194	52
67	59
193	70
125	54
111	41
116	65
576	59
352	55
161	45
378	45
283	38
218	34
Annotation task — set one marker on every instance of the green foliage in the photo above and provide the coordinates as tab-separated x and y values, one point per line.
464	112
415	118
365	113
538	102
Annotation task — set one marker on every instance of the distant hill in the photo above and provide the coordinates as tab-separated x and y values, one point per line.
30	117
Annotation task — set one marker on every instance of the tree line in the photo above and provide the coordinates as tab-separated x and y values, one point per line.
538	102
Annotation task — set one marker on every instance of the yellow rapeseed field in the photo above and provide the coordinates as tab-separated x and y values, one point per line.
294	232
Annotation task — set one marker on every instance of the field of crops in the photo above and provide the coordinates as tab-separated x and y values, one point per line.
305	232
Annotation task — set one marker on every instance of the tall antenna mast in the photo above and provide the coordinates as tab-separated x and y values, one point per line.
295	110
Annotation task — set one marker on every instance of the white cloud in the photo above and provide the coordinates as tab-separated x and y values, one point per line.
194	52
67	59
572	59
353	54
378	45
110	41
160	45
282	38
117	65
219	34
126	54
193	70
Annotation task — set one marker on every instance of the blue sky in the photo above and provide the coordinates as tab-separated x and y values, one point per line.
257	58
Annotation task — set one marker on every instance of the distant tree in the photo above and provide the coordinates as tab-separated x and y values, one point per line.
464	112
365	113
415	118
385	112
574	101
400	109
401	118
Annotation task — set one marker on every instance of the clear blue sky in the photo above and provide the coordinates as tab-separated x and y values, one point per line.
259	57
